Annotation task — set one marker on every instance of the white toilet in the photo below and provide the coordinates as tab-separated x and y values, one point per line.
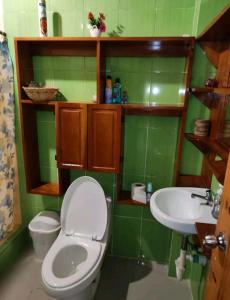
71	268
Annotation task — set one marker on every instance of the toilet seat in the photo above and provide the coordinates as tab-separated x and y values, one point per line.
62	243
77	252
84	209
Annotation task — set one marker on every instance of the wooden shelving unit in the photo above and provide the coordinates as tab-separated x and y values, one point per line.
215	42
101	49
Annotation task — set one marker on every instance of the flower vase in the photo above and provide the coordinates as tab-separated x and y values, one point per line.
94	31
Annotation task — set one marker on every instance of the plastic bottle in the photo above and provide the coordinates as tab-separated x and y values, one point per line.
108	90
149	191
117	91
216	202
42	18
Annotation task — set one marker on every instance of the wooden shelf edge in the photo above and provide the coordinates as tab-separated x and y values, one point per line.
206	90
207	145
125	198
154	110
204	229
210	97
218	29
49	189
218	168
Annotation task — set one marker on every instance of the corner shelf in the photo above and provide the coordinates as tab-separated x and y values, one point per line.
207	145
209	96
218	168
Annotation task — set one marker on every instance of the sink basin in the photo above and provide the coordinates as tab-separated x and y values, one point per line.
176	209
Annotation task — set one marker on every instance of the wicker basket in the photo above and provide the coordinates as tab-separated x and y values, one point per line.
39	94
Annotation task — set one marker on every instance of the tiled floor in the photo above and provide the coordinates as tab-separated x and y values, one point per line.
121	279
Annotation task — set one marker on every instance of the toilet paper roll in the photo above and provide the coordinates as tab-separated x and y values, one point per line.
137	187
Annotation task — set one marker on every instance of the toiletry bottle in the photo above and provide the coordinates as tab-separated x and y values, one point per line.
149	191
124	97
108	90
216	202
42	18
117	91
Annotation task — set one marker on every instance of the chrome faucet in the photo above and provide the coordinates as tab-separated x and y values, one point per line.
216	202
207	197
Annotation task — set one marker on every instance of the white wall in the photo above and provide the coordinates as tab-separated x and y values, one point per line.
1	16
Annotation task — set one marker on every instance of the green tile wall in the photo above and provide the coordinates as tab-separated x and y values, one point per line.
135	232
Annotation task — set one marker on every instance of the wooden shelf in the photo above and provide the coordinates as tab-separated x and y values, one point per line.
203	230
209	96
207	145
125	198
119	46
50	189
218	168
219	29
153	110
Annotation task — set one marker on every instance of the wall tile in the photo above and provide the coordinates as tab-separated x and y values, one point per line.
127	211
155	241
125	243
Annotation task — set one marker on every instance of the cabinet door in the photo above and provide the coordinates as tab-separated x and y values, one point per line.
71	123
104	137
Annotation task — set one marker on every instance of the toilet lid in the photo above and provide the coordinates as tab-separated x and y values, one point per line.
84	209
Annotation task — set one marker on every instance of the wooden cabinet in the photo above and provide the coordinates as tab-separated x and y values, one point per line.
88	136
104	138
71	124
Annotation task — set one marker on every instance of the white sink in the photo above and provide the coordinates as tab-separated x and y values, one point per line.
175	208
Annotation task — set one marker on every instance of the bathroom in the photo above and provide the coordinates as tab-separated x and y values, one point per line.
139	262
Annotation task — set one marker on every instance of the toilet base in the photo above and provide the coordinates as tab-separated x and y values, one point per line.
88	293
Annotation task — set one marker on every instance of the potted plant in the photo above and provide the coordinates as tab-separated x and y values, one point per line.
96	25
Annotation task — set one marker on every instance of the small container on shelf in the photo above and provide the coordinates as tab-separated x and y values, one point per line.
108	90
211	82
202	127
117	91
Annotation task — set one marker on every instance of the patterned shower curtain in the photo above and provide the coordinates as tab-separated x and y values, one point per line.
8	164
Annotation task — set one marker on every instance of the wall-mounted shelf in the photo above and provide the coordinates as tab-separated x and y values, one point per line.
207	145
50	189
125	198
218	29
218	167
210	96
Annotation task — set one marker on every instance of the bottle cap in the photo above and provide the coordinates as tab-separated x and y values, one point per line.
149	187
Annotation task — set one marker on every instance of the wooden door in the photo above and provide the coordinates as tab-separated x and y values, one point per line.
71	124
218	280
104	137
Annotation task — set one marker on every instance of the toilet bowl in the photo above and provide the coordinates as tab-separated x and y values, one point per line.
71	268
